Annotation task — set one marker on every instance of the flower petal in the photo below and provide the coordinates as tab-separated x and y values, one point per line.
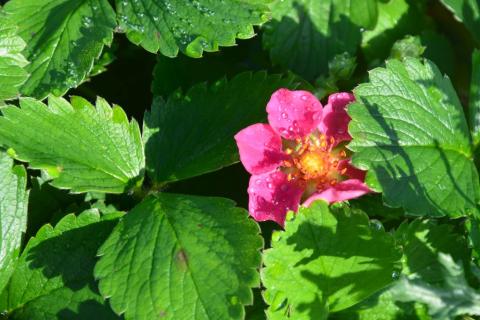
351	171
345	190
294	114
260	148
335	119
271	195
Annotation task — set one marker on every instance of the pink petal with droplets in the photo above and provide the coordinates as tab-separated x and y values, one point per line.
260	148
351	171
271	195
345	190
294	114
335	118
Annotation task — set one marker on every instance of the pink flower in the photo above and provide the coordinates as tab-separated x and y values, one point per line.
300	155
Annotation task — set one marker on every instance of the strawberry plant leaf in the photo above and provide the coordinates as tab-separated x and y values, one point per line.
13	214
468	12
474	105
86	148
192	134
189	26
63	39
326	260
304	35
12	62
410	132
454	298
54	276
158	261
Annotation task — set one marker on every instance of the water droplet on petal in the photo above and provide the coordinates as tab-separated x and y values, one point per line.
284	115
258	181
270	185
284	187
304	97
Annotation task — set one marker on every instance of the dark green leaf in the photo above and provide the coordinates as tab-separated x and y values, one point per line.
468	12
474	106
54	276
181	257
192	134
305	35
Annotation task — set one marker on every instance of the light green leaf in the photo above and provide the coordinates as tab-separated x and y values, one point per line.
468	12
474	105
13	214
189	26
63	39
54	276
181	257
422	241
86	148
396	19
410	132
305	35
326	260
192	134
445	302
12	62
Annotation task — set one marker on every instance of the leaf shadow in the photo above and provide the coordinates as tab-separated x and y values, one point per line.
406	182
378	255
89	309
71	255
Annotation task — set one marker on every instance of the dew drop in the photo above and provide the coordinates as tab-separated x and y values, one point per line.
304	98
270	185
284	115
258	181
376	225
284	187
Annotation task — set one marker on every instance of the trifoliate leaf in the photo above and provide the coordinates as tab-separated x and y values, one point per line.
445	302
468	12
54	276
12	62
181	257
13	214
410	132
81	147
326	260
63	39
304	35
192	134
189	26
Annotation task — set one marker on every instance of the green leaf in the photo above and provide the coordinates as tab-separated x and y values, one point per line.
63	39
410	132
13	215
446	302
396	19
364	13
468	12
54	276
12	62
86	148
326	260
422	241
192	134
382	306
304	35
189	26
474	105
181	257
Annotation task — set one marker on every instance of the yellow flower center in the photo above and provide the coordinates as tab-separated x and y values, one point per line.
313	163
